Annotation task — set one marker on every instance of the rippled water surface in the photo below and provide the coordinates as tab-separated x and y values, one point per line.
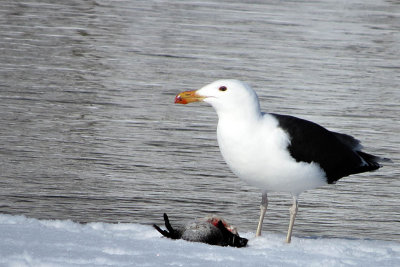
89	131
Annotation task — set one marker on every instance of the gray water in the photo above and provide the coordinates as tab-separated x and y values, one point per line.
89	131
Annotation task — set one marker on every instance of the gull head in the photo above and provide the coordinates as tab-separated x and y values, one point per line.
226	96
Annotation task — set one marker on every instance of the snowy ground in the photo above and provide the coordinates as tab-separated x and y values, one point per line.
31	242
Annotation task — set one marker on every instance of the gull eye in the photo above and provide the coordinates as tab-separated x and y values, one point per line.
223	88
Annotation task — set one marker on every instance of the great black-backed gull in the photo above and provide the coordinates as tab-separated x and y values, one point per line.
277	153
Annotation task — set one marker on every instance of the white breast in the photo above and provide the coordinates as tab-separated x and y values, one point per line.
256	151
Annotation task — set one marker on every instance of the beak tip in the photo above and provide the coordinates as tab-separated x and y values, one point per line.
179	99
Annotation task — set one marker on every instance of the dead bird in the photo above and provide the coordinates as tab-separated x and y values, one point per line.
212	230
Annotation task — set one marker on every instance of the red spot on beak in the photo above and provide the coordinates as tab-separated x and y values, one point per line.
179	100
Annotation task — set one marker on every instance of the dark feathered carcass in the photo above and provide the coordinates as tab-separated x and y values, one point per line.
212	230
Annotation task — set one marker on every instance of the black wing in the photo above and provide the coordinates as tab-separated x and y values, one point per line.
337	154
231	239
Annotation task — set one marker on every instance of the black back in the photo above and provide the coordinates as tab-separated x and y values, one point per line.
337	154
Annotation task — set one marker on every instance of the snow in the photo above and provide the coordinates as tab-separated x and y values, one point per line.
31	242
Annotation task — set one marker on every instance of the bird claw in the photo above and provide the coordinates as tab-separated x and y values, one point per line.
170	232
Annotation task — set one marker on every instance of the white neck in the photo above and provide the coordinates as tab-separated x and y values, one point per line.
247	112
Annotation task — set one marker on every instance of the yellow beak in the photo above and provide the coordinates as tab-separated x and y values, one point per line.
188	97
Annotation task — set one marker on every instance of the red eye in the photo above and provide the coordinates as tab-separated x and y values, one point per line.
223	88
